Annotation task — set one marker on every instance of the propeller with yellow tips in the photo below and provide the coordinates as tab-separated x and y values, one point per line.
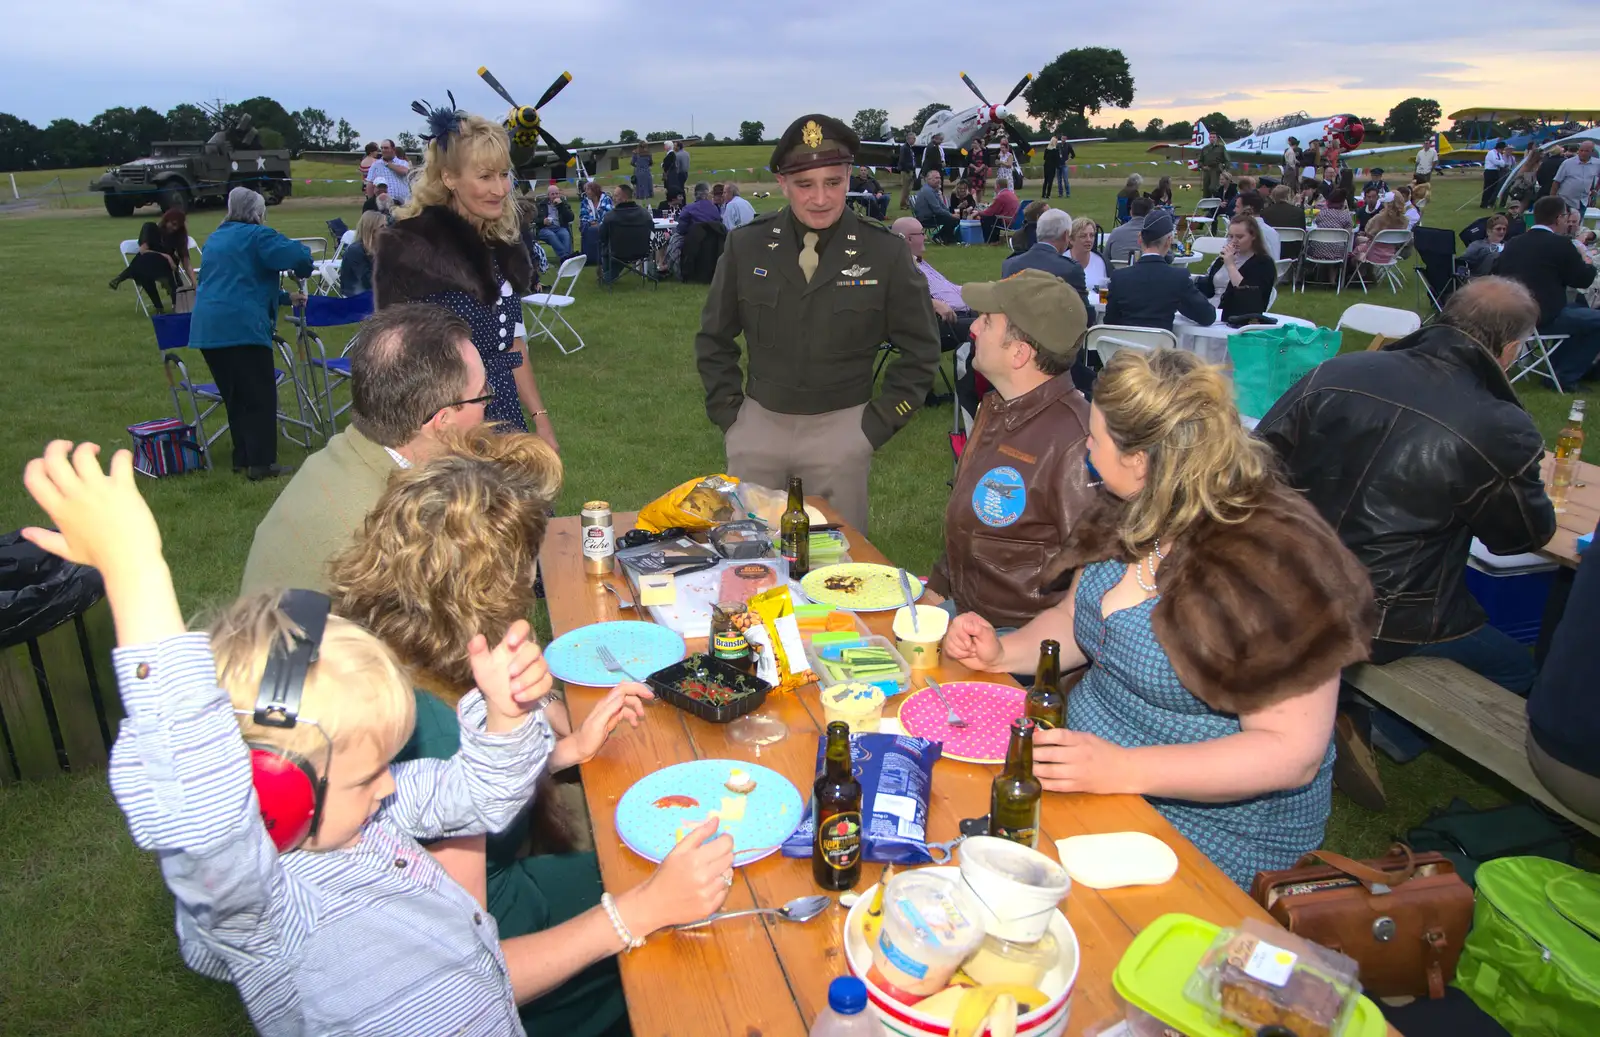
523	120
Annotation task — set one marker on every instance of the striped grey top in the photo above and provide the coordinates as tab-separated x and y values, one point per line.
373	939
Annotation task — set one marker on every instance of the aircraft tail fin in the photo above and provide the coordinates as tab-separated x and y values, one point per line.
1202	136
1444	145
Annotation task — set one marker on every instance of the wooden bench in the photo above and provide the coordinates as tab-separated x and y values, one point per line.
1473	715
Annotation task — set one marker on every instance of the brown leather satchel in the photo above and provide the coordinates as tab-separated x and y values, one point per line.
1403	918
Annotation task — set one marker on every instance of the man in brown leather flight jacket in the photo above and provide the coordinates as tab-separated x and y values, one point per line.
1022	481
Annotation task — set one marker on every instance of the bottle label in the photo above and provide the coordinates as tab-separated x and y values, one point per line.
1028	836
729	644
839	839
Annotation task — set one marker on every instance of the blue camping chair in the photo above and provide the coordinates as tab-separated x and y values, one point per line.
172	334
322	311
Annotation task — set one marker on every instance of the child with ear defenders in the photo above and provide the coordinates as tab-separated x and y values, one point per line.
357	929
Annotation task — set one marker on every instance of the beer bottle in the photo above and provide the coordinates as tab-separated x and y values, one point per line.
1014	799
1046	705
836	808
794	532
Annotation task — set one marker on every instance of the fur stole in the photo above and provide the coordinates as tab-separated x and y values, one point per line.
1250	614
438	251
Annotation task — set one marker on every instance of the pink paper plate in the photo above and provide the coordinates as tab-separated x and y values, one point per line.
987	708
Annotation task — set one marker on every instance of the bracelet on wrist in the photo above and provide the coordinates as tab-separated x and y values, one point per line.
629	941
540	411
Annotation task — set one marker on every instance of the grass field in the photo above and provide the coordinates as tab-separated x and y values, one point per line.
85	921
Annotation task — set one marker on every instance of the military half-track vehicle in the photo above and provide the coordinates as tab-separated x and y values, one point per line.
192	173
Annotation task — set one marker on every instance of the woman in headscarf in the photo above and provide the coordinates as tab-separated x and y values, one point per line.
458	243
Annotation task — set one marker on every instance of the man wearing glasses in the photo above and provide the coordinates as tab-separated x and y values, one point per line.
414	374
955	316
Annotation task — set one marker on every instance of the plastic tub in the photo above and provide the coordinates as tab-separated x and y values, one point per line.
668	684
930	925
920	644
855	703
1016	888
827	662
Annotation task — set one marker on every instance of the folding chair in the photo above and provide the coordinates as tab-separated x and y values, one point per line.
969	389
640	266
1439	274
128	250
328	312
1104	340
318	246
1388	271
1204	217
172	334
1018	222
550	304
1344	239
1534	357
1287	236
337	227
1208	244
1387	323
326	271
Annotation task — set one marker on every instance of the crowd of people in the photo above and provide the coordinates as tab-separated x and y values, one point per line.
1161	543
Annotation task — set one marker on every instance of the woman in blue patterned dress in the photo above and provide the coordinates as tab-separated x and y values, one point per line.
457	244
1214	610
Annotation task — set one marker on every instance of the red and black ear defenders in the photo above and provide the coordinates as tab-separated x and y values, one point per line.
288	788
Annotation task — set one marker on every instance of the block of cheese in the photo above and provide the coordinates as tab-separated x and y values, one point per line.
1114	859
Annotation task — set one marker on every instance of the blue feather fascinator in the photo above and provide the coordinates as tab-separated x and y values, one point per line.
442	121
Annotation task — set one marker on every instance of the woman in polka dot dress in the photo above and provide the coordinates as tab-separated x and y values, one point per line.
1214	609
457	244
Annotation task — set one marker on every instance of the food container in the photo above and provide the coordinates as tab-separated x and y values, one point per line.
920	645
930	926
855	703
676	684
1166	955
884	666
1016	887
902	1020
746	538
1258	975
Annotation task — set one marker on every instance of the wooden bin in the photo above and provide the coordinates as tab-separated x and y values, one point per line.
58	699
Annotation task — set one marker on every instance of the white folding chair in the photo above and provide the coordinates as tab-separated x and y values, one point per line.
1290	236
1591	215
1203	218
1535	357
1345	241
318	246
1211	245
1285	268
1106	339
1388	321
325	272
549	304
129	249
1388	271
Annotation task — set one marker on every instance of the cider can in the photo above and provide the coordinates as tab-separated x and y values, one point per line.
599	540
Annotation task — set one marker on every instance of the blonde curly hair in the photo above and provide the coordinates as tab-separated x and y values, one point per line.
478	145
448	552
1179	411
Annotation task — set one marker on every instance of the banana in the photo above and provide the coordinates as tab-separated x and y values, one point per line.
872	919
998	1006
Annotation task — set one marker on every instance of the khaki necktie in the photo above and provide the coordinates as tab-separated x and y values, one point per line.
808	256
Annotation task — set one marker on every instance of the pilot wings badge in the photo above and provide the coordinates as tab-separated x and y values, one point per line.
855	271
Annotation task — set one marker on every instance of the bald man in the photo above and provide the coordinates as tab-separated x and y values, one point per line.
955	316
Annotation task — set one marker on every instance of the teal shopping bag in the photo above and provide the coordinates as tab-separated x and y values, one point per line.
1267	362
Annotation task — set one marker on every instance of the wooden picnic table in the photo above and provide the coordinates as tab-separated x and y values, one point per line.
1578	518
766	977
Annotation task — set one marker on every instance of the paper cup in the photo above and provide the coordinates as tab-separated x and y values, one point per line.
920	647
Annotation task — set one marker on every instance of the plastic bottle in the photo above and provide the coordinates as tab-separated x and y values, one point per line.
847	1014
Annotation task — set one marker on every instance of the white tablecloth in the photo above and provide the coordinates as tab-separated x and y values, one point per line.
1211	343
665	224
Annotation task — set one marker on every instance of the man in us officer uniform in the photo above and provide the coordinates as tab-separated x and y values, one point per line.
815	290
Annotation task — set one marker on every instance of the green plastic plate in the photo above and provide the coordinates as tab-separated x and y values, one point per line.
1160	960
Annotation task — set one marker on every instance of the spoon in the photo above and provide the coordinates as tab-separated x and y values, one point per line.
800	909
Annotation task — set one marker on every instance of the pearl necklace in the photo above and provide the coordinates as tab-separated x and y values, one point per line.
1150	559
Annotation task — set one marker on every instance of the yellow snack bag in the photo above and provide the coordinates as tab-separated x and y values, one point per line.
700	503
776	610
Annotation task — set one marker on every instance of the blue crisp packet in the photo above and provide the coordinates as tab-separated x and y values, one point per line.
896	776
1584	542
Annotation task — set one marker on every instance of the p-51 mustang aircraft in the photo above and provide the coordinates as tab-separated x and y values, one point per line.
961	129
1267	143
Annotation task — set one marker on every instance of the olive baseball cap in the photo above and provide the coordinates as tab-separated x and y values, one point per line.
1041	305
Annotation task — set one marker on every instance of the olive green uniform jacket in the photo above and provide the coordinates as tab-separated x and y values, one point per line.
811	346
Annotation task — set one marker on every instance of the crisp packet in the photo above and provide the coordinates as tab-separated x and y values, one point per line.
896	776
776	611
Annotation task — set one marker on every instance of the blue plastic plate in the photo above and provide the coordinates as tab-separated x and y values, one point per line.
656	812
641	648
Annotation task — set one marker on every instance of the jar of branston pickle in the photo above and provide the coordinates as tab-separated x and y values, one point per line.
729	621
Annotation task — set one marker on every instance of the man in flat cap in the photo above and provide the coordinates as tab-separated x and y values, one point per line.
1022	484
1147	293
815	291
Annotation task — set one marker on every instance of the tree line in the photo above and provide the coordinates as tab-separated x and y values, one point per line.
121	134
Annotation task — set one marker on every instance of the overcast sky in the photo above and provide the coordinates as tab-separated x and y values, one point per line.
742	60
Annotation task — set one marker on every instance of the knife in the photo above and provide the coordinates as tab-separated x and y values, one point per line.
905	585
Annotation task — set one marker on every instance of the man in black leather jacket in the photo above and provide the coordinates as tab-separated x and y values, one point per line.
1410	452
